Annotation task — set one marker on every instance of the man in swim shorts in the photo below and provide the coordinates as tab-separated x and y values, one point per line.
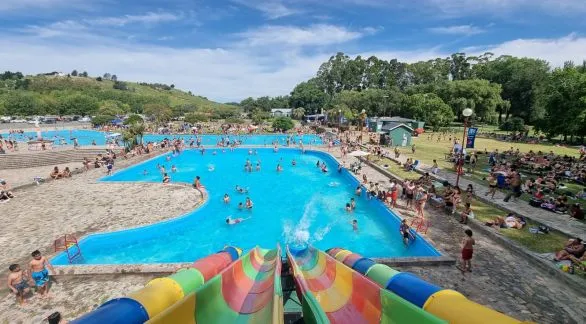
17	283
235	221
248	203
39	273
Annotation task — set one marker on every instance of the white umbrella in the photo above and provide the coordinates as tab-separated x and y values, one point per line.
358	153
113	135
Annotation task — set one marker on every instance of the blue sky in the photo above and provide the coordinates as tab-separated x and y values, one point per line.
231	49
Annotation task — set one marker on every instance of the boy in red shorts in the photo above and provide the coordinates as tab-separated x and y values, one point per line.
467	251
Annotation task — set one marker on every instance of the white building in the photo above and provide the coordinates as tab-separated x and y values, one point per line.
281	112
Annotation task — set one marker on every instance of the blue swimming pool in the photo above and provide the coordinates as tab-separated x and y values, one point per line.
299	205
87	137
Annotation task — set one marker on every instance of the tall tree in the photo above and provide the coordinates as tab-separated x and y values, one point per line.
309	96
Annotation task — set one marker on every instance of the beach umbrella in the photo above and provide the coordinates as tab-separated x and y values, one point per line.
358	153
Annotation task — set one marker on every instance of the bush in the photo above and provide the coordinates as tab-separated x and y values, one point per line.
320	130
194	118
515	124
234	120
102	119
283	123
133	119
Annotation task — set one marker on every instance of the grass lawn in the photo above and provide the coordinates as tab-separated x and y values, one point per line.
540	243
396	169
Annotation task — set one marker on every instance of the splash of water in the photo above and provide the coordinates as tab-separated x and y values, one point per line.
211	167
299	235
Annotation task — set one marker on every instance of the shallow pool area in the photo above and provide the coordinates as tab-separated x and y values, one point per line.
300	205
86	137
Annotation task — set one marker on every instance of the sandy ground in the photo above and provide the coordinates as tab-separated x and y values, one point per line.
40	214
25	176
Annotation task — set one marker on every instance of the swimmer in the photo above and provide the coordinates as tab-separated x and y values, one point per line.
241	190
279	168
168	158
333	184
348	207
358	191
214	153
257	166
340	168
235	221
249	152
293	163
226	199
354	225
145	172
173	168
255	152
240	206
406	232
324	168
211	168
249	203
163	170
318	164
352	203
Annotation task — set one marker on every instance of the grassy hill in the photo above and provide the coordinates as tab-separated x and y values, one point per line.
66	95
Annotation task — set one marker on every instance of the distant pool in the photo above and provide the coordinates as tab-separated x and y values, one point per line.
85	137
300	204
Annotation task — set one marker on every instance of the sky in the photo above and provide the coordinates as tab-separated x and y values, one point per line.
228	50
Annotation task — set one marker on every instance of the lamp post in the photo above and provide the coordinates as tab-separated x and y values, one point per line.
460	162
339	119
362	121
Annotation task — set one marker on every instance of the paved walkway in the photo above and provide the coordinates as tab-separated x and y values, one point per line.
561	222
500	278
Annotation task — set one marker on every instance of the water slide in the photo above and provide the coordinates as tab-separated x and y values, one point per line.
446	304
331	292
247	291
161	293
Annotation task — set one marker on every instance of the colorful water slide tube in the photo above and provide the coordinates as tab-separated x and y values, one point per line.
248	291
330	292
446	304
161	293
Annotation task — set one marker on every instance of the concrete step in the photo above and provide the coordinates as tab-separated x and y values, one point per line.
46	158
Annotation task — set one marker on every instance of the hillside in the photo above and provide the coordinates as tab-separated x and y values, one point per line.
76	95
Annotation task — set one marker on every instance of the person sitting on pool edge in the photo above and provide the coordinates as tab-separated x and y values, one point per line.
166	178
248	203
235	221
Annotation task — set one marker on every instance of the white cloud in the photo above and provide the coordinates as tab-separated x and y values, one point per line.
554	50
320	34
148	18
18	5
272	9
466	30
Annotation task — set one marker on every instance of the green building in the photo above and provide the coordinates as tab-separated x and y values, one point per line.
399	134
376	124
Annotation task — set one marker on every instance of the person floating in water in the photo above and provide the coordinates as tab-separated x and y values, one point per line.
145	172
406	232
318	164
226	199
173	168
279	167
358	191
293	163
348	207
249	203
324	168
352	203
258	166
241	190
231	221
355	225
168	158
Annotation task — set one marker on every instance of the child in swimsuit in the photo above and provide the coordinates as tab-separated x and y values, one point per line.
39	272
467	251
404	229
17	283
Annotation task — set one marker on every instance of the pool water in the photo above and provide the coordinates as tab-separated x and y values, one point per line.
86	137
300	205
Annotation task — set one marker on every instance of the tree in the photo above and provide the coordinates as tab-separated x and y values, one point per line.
429	108
78	104
119	85
99	79
248	104
172	86
298	113
132	136
309	96
482	96
110	108
283	123
84	74
74	73
107	76
563	99
195	117
515	124
114	77
102	120
133	119
20	103
161	113
258	116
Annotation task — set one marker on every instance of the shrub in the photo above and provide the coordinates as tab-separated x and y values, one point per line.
283	123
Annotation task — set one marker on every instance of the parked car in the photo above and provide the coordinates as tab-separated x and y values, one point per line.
18	121
85	119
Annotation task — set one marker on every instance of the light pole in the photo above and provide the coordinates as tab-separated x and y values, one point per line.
460	162
362	121
339	119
